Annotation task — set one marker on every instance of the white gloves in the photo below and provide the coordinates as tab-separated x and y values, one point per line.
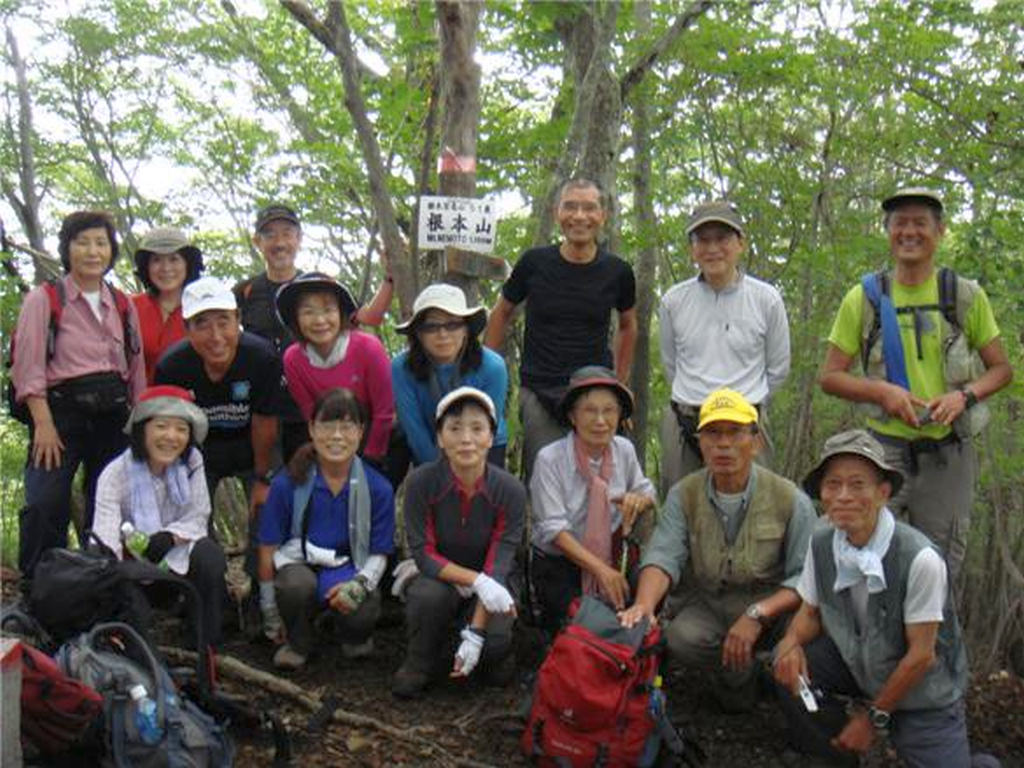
403	574
496	598
273	628
468	655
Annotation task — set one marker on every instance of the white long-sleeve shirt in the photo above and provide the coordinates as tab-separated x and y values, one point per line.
736	338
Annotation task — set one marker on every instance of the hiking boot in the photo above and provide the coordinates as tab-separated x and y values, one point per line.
288	659
357	650
500	675
408	683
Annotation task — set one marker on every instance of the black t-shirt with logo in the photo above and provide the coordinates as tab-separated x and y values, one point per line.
568	312
251	385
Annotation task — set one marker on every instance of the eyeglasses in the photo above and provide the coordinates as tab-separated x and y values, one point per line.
450	326
315	313
732	434
342	426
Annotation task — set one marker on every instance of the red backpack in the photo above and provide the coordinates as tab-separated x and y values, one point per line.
57	711
597	700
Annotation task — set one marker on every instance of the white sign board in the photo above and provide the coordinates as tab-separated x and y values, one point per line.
459	222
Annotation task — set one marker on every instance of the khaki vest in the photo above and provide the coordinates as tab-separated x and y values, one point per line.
755	563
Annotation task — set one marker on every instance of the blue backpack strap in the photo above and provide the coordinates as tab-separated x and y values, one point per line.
892	344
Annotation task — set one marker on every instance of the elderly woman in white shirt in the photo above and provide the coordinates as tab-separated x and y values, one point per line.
158	485
588	491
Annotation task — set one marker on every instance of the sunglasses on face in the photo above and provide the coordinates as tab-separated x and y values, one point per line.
451	326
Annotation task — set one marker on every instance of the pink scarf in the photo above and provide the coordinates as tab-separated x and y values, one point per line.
598	536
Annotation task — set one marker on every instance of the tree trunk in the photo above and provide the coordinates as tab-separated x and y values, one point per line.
26	206
460	93
647	252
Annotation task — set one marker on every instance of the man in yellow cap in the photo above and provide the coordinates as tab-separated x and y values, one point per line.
730	545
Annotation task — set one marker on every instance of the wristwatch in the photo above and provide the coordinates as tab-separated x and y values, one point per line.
754	612
266	477
970	399
879	718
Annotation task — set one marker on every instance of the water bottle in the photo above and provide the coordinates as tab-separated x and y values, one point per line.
135	541
146	716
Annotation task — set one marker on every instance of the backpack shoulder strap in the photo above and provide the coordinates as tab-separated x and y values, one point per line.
55	293
124	310
301	496
949	288
875	285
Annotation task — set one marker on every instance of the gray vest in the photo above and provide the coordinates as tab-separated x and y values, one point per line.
873	653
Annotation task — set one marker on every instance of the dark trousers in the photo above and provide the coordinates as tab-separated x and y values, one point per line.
206	566
91	441
295	586
434	612
923	738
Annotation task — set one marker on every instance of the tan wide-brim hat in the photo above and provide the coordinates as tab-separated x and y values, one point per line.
447	298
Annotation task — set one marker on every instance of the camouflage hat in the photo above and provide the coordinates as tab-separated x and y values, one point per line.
721	211
854	442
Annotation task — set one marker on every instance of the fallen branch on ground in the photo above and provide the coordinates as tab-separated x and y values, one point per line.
239	670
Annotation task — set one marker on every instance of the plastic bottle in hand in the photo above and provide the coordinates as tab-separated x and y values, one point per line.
146	716
135	541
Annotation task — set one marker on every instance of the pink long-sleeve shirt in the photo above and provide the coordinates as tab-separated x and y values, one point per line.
365	371
84	343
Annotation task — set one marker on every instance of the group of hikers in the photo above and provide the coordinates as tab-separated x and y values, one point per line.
162	396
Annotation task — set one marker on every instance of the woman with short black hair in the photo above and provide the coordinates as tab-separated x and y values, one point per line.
77	370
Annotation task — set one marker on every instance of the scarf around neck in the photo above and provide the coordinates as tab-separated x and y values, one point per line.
856	563
597	537
145	511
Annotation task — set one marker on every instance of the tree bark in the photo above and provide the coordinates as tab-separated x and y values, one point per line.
647	253
26	206
458	22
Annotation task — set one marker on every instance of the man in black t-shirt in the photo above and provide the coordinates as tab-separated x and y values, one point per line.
235	378
278	237
570	291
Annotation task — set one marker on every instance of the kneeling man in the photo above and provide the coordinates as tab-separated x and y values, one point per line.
876	625
732	537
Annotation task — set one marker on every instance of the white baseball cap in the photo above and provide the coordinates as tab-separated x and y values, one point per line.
204	294
468	393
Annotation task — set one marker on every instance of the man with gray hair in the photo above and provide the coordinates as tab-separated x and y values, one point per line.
570	290
876	625
721	329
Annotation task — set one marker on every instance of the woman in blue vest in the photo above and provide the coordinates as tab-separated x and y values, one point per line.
444	353
325	534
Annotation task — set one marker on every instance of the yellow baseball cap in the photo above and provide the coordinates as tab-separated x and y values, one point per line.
726	405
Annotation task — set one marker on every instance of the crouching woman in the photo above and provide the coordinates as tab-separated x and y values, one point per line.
464	520
158	485
325	534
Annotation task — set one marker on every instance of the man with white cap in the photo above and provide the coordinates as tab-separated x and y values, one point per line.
877	626
931	353
721	328
730	544
235	378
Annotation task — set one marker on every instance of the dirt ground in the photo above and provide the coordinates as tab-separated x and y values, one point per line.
465	723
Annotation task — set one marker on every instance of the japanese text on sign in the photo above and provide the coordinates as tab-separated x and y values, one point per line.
460	222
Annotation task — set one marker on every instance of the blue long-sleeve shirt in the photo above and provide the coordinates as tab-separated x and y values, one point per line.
416	406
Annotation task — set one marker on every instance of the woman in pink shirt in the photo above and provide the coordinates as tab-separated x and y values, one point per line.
77	370
330	353
165	263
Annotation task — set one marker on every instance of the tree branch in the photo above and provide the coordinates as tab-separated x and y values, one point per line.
647	60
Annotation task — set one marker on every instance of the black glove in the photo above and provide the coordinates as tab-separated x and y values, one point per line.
160	544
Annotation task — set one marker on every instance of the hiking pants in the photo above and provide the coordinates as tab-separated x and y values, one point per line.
434	612
923	738
89	440
295	586
540	428
938	493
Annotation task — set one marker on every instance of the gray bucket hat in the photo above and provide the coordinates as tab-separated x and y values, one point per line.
720	211
854	442
169	400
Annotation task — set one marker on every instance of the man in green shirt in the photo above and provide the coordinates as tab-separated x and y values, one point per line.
926	422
